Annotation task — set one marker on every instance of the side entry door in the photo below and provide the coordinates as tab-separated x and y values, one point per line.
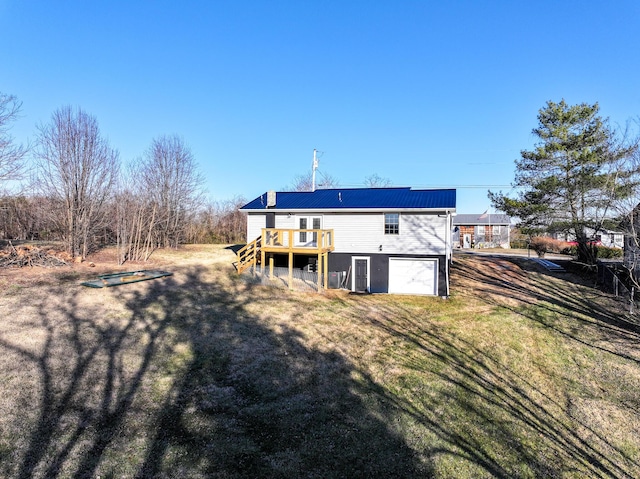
361	275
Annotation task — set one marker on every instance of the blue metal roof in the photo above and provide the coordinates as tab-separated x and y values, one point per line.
358	198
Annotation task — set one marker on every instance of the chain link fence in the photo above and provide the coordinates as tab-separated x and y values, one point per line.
302	280
610	279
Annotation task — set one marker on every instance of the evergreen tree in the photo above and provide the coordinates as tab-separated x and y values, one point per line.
571	179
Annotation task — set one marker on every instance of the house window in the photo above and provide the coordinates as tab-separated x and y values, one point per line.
392	223
303	226
496	230
309	223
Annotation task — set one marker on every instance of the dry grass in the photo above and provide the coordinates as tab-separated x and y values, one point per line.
204	374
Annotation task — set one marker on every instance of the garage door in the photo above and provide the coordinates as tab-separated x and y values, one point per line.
413	276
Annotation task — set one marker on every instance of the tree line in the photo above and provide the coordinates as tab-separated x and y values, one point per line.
79	192
581	178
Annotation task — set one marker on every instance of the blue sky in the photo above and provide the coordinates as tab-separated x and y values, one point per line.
427	94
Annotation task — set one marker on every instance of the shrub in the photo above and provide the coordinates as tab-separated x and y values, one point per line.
603	252
543	244
608	253
570	250
519	244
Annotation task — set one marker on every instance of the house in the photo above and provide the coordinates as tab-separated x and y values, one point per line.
483	230
610	238
379	240
601	237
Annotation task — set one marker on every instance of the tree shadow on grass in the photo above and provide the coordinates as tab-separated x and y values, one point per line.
554	302
177	378
485	413
86	388
253	402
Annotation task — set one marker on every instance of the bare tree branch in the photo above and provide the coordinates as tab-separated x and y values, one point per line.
77	171
376	181
11	154
304	182
169	177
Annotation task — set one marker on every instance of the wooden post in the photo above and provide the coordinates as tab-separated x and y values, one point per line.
326	271
254	260
271	267
319	270
290	269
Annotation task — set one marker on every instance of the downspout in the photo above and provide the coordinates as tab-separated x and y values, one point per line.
446	275
448	246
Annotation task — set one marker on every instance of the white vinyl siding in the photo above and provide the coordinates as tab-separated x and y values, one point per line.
364	233
255	223
286	222
420	233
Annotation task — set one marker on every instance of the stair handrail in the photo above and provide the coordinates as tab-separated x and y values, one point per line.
248	254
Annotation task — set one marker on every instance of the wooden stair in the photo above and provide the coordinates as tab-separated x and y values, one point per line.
248	255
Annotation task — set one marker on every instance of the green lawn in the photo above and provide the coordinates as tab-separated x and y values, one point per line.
205	374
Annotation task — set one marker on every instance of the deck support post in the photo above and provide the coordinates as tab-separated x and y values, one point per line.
254	262
271	267
319	270
290	270
326	270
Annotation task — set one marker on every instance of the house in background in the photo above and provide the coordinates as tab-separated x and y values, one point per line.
610	238
602	237
482	230
379	240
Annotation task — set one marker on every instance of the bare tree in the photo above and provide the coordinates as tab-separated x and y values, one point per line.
219	222
627	208
169	177
304	182
77	171
231	224
11	154
376	181
135	219
22	217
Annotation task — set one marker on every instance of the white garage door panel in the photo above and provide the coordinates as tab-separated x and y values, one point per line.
413	276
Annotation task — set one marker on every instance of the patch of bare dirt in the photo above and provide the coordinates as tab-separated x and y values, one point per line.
29	265
105	261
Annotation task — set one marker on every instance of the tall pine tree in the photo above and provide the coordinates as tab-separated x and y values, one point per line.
569	182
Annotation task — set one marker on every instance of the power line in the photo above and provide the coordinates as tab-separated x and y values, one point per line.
441	186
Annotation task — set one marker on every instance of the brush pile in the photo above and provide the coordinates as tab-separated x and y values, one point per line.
28	255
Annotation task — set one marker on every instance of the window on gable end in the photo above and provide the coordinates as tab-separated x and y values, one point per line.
392	223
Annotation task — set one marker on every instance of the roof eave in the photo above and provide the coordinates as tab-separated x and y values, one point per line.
351	210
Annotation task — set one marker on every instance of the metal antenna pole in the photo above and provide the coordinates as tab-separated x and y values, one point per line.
313	170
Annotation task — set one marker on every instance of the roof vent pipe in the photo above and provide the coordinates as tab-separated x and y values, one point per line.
314	167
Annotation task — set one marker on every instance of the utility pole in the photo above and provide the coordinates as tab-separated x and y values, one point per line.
313	170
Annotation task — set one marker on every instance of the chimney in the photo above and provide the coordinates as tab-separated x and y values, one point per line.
271	199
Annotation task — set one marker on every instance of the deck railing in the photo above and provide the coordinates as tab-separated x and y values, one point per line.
248	255
285	240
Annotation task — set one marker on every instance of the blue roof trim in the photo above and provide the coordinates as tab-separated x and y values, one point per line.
358	198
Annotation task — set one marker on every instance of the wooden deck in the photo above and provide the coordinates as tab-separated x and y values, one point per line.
290	242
